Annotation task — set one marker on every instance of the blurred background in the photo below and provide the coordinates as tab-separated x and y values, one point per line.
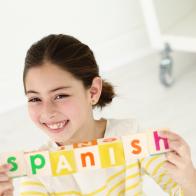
146	48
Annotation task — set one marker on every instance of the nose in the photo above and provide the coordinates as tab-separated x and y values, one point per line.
48	111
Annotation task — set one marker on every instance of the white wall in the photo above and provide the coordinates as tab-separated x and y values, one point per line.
171	12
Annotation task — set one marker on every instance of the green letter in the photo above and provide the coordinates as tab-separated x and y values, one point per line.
33	164
11	160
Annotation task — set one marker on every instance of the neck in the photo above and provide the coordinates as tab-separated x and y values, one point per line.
95	129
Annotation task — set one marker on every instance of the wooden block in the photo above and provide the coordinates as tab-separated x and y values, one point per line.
157	144
16	159
135	146
108	140
85	144
62	162
67	147
87	158
111	154
38	163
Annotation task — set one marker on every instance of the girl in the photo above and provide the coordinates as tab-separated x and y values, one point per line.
62	84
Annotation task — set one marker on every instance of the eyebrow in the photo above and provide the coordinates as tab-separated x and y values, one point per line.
53	90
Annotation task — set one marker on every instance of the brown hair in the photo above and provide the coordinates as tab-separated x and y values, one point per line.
69	54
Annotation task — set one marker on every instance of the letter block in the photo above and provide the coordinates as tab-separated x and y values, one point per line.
156	143
62	162
87	157
16	159
38	163
111	154
135	146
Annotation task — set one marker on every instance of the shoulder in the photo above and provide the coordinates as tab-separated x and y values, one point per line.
119	127
47	145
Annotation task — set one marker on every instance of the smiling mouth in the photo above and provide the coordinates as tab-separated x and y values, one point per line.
57	127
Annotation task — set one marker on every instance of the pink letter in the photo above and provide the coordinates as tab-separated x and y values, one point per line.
157	139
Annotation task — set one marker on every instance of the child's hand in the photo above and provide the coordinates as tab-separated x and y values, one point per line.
179	164
6	185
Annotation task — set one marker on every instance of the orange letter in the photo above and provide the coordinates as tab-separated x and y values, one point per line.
134	144
90	155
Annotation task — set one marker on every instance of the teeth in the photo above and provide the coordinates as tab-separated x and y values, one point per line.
56	125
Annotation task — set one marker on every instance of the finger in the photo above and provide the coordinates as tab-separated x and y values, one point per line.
171	136
180	148
5	168
175	159
8	193
4	177
169	167
5	186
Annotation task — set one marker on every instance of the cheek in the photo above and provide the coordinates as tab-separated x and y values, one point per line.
75	108
69	109
33	113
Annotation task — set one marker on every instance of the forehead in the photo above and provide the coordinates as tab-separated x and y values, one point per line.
49	76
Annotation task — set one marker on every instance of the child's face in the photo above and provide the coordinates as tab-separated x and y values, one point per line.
58	103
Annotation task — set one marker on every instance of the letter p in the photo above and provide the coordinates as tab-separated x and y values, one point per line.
37	162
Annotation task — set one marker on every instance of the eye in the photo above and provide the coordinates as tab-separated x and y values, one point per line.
34	99
61	96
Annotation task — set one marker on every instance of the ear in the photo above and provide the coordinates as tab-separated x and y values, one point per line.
95	90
